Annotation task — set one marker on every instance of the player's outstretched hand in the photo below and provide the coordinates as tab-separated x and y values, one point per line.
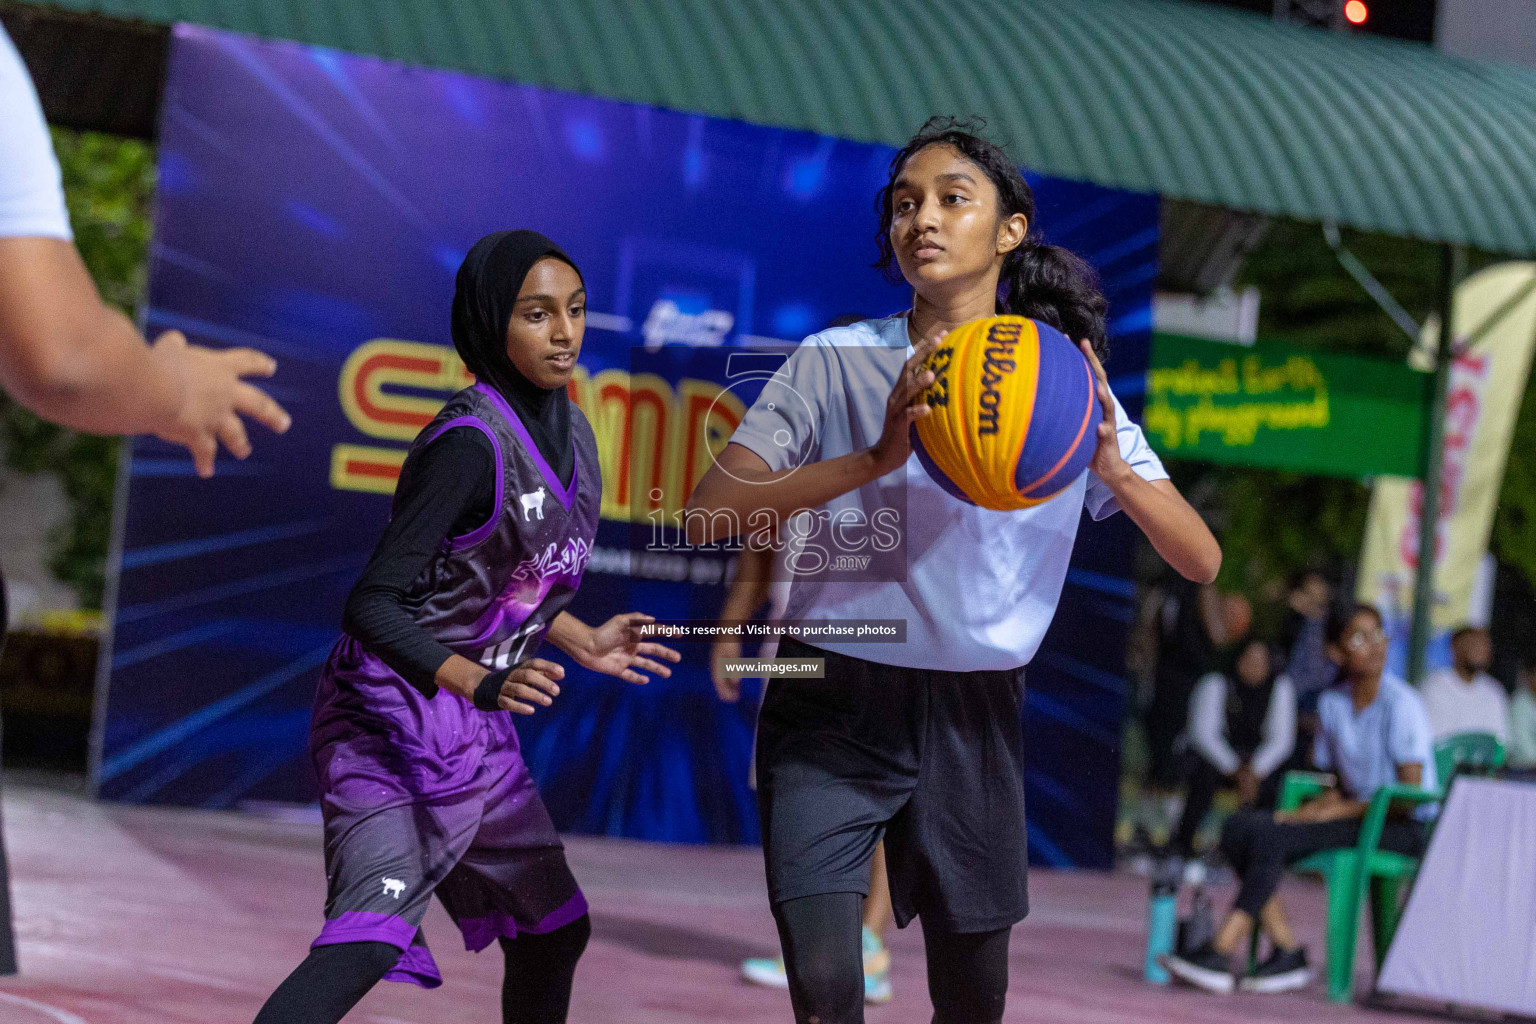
523	689
214	398
618	648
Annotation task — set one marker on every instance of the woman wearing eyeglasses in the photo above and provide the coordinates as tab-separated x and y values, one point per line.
1374	733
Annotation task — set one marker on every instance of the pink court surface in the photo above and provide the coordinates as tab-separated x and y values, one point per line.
131	915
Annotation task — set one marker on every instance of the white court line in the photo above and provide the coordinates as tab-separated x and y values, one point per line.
52	1012
139	967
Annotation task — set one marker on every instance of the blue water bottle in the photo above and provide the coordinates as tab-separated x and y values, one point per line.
1162	917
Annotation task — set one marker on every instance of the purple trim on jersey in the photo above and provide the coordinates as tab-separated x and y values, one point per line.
416	967
479	534
366	926
564	492
480	932
572	909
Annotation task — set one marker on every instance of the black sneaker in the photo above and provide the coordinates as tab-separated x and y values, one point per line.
1204	968
1282	972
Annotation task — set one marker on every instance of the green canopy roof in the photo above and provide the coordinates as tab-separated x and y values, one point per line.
1193	102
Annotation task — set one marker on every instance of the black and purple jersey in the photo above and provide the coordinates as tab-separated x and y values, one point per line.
426	794
490	595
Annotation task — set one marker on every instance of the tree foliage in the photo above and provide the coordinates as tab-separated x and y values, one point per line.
1275	523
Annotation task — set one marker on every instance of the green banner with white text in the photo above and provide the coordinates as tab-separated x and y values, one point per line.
1279	407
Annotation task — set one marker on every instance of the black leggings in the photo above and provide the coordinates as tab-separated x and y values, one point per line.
820	936
1259	848
1205	781
331	980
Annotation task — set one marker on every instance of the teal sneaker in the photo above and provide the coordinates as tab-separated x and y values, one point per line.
877	970
768	971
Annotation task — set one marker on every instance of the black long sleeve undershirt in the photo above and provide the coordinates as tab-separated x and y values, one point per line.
446	490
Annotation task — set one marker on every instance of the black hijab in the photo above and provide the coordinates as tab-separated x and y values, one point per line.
484	293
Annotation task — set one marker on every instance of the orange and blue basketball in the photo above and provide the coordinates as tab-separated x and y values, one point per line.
1015	413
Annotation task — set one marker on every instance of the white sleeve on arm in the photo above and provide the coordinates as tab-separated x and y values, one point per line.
784	424
1100	500
1279	729
1207	707
1411	741
1409	737
31	190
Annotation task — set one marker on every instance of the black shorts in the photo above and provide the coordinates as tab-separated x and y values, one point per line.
931	761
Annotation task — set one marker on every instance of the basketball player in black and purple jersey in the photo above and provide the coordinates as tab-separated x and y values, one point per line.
422	784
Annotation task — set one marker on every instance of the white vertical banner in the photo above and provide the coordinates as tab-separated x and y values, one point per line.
1487	384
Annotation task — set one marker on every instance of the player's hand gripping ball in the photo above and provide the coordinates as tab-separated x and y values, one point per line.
1015	413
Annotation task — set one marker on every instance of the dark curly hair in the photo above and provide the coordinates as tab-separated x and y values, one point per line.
1337	624
1342	614
1043	282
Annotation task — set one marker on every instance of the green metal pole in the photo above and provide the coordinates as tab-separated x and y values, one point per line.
1452	263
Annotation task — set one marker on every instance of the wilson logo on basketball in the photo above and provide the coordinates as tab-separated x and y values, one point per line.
996	365
1013	411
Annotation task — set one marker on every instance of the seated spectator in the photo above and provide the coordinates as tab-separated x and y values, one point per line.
1306	656
1373	733
1522	718
1193	629
1464	697
1242	726
1301	637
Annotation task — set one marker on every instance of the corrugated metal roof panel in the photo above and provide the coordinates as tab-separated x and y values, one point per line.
1194	102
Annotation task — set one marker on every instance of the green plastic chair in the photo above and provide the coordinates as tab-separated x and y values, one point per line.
1350	873
1472	752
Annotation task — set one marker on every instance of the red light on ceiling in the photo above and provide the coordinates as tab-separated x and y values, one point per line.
1355	12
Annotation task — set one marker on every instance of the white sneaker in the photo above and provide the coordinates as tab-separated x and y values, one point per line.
1202	968
1282	972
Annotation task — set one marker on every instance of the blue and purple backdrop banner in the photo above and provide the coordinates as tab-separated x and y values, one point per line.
316	204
